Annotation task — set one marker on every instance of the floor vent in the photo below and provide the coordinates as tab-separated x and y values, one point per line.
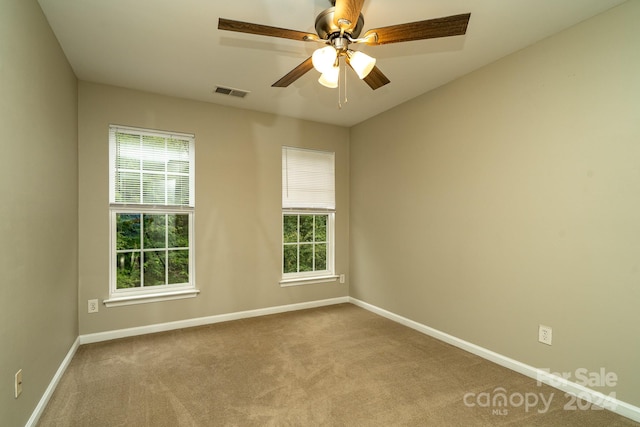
231	92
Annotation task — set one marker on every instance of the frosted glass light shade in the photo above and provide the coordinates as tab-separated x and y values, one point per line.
324	58
361	63
330	78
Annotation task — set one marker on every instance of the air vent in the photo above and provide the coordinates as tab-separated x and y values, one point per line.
231	92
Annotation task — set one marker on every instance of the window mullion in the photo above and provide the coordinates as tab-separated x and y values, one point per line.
142	254
298	246
313	244
166	168
166	249
141	170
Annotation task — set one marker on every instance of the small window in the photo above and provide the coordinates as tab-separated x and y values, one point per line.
151	206
308	215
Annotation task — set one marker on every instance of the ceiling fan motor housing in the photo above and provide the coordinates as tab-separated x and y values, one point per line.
326	28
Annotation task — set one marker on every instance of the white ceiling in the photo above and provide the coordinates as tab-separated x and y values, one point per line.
174	48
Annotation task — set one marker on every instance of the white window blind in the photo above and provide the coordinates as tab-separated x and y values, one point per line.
308	180
151	168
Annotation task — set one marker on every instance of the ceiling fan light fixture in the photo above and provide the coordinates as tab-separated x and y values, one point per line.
330	78
361	63
324	58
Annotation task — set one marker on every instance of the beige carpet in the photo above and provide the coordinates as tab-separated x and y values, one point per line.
331	366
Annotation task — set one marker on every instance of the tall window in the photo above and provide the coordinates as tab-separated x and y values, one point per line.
308	211
151	206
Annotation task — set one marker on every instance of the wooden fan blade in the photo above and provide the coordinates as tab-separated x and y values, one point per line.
432	28
263	30
375	79
348	10
294	74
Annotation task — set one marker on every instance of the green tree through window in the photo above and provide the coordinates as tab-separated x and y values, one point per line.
159	243
305	242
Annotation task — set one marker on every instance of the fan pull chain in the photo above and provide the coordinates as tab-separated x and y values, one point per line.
340	102
339	84
345	83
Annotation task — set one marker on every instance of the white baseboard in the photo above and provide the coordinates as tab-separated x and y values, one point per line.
35	416
594	397
200	321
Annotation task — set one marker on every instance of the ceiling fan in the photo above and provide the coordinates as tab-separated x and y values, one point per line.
341	25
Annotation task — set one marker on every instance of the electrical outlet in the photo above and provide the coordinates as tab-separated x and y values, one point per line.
93	306
18	383
342	278
544	334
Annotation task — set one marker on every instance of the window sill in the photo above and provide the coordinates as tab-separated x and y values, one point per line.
298	281
150	297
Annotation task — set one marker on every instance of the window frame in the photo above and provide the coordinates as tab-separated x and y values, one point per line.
309	207
155	293
316	276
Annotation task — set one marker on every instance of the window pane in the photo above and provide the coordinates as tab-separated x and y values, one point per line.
154	268
290	259
128	231
178	267
178	231
153	153
178	150
321	228
306	228
321	257
290	228
181	166
153	189
306	257
177	190
127	187
154	231
128	270
153	165
128	151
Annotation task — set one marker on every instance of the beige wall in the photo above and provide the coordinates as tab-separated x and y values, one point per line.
238	204
503	200
38	211
511	197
